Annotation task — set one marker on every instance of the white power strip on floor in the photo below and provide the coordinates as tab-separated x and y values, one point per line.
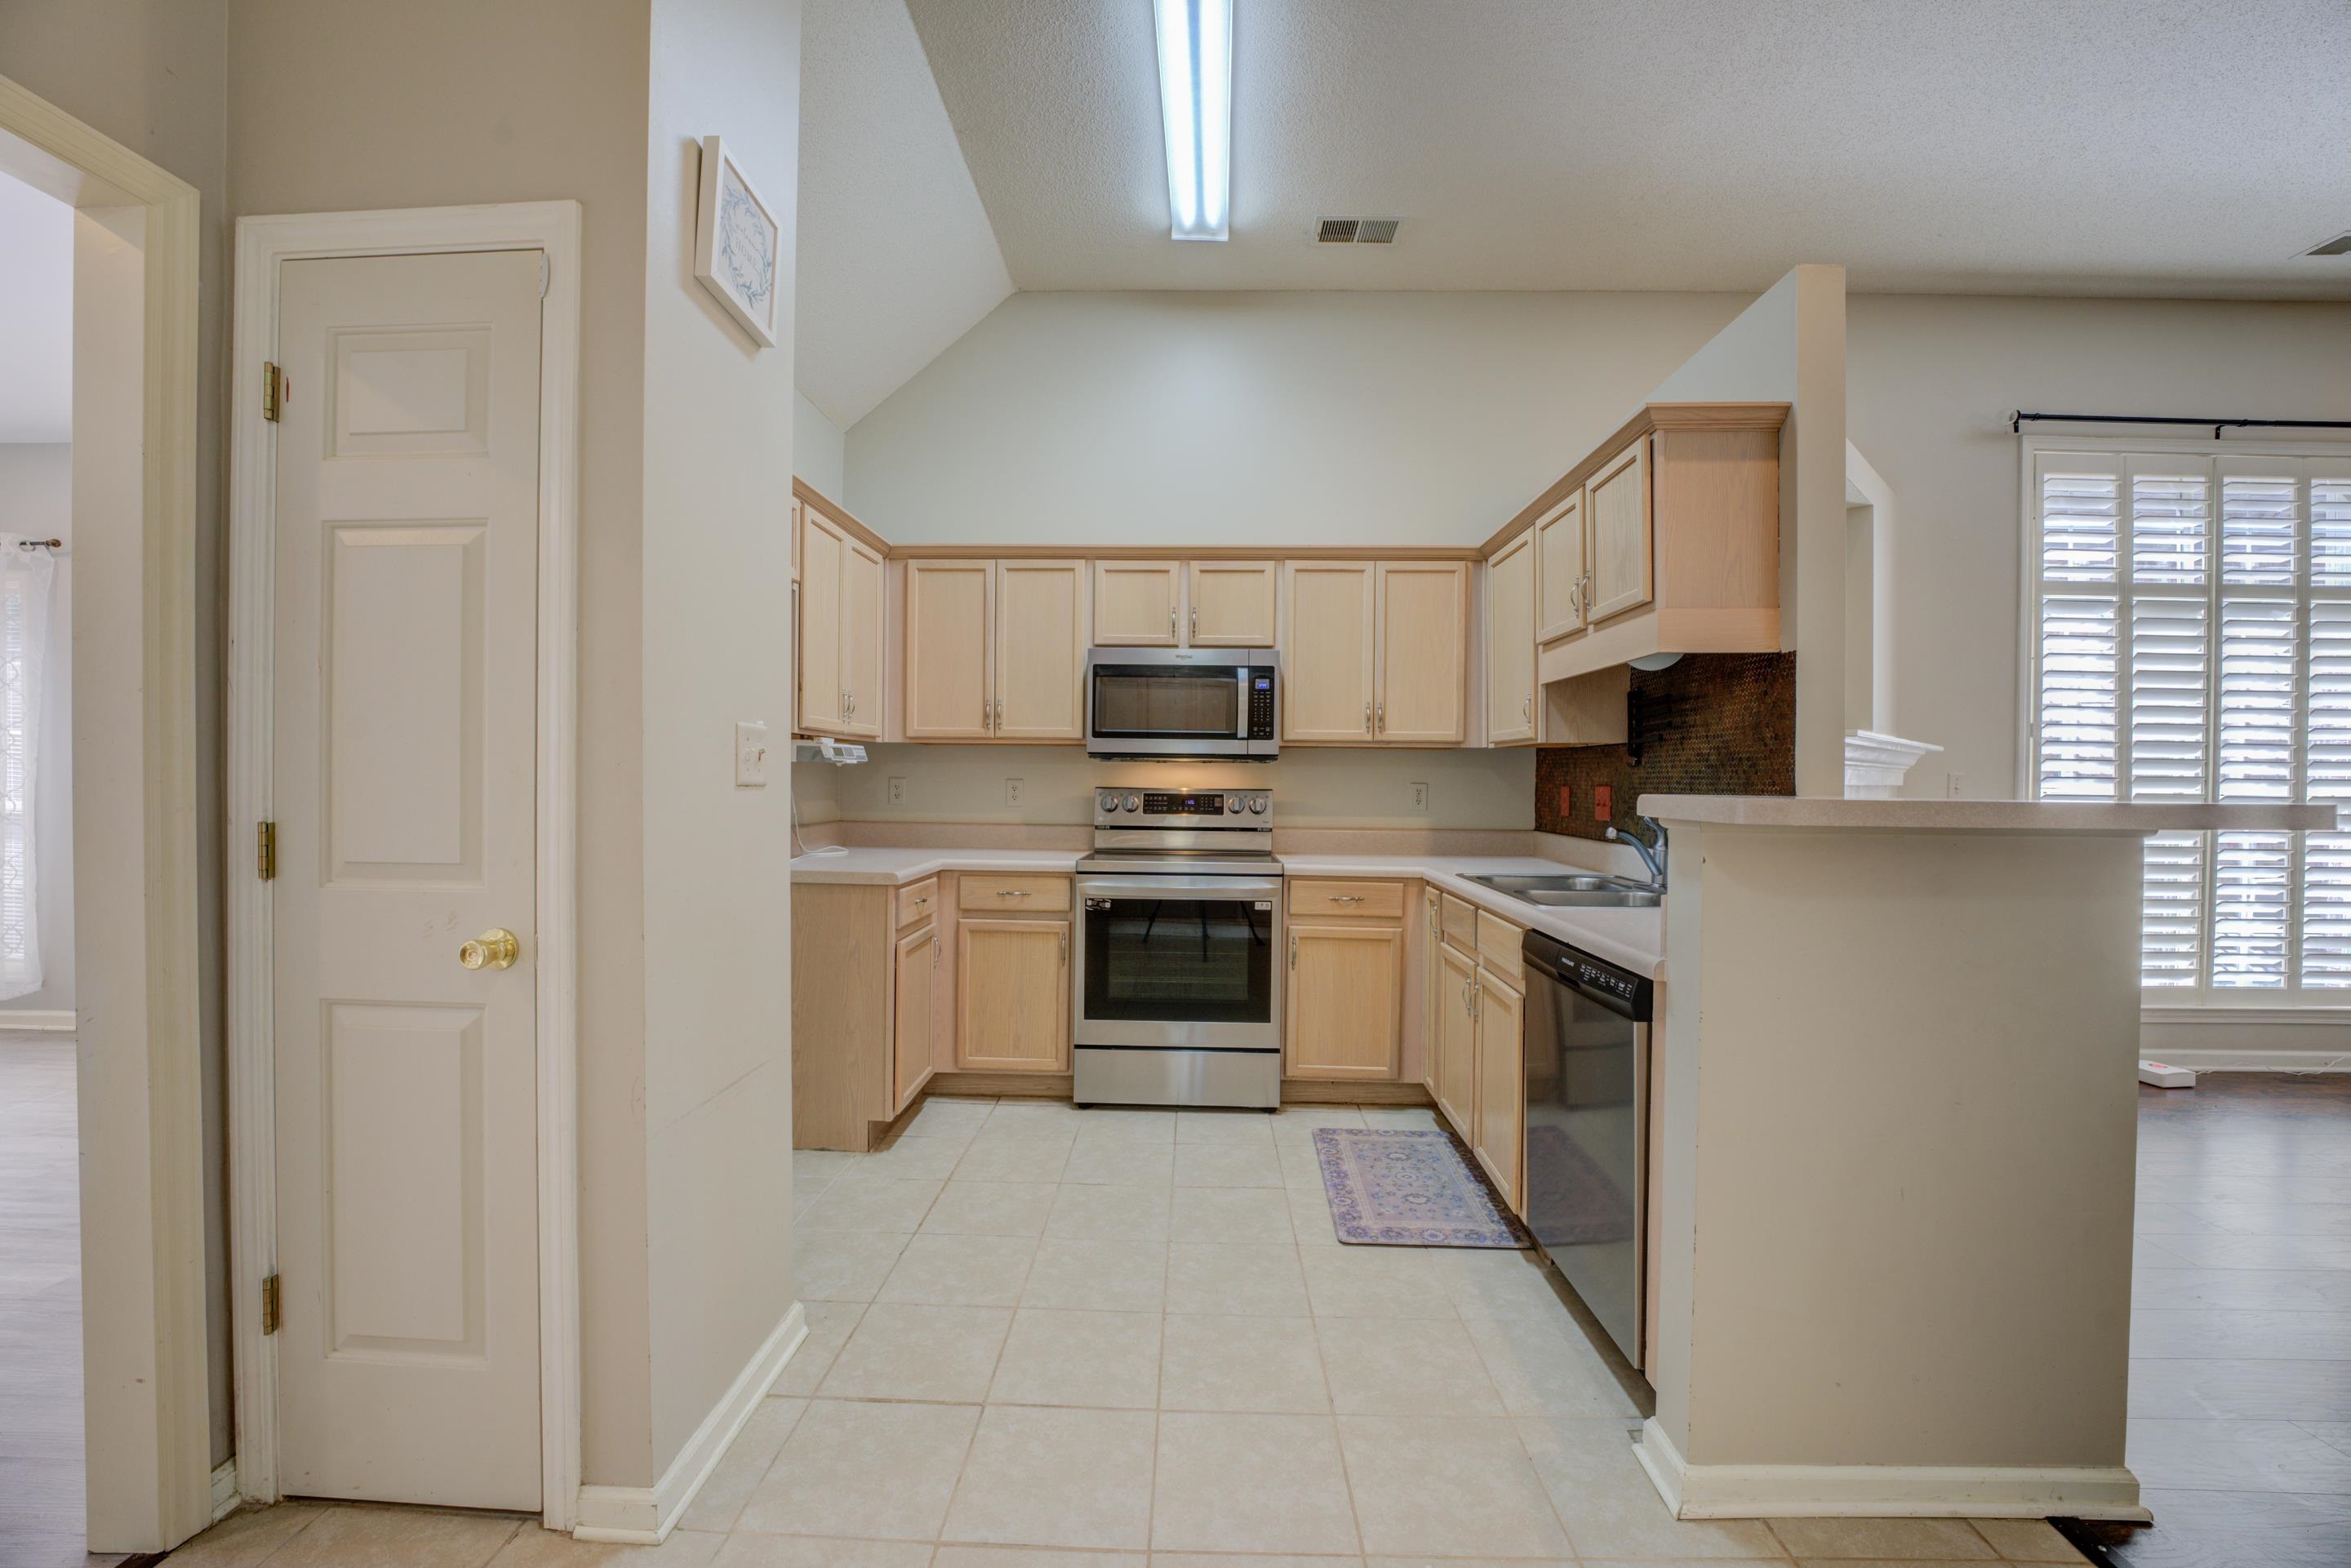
2165	1077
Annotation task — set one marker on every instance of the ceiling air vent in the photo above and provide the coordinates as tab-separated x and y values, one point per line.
1357	231
2339	246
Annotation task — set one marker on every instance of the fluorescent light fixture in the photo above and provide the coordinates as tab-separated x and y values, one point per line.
1196	100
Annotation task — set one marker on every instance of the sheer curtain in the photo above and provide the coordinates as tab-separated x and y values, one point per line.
25	579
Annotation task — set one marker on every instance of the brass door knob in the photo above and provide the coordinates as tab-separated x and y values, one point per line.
497	948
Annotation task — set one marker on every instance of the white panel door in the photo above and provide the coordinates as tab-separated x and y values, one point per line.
406	718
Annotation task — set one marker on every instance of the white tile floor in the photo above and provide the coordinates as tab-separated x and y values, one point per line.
1046	1338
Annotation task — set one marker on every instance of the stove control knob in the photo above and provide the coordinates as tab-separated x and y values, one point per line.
1106	802
1257	804
1233	804
1134	802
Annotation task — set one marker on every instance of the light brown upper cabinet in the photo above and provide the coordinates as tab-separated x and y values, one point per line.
1424	653
1510	643
1558	569
995	649
1327	651
1184	604
841	629
1618	504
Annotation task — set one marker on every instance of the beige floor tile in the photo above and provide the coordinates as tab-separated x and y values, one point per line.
1611	1510
1250	1483
913	1158
1044	1118
1403	1367
1890	1561
1446	1486
246	1536
2027	1541
993	1158
744	1465
1935	1540
1298	1165
1230	1214
822	1166
1486	1282
829	1327
843	1265
1418	1117
1121	1163
1088	1213
879	1471
359	1537
538	1548
1125	1124
1261	1559
1271	1366
1226	1163
902	1351
1097	1275
936	1118
1254	1128
991	1208
1374	1283
1032	1557
1425	1560
1106	1359
1297	1123
879	1203
1057	1478
949	1271
820	1552
1239	1279
1544	1366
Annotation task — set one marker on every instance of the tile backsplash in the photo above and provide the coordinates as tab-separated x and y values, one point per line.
1712	724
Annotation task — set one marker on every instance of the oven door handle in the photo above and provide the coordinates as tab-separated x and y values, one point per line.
1194	889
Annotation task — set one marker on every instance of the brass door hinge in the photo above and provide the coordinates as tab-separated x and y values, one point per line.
269	1305
265	850
274	387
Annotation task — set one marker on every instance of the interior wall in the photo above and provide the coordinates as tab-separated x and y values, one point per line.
820	454
37	501
1292	418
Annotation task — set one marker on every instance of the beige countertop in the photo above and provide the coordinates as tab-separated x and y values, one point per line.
1980	815
1632	938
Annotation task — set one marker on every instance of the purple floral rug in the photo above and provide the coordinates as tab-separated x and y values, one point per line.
1396	1187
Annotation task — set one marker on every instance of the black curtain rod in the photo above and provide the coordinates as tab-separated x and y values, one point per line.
2016	422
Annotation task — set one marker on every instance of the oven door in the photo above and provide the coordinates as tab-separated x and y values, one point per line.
1178	961
1140	709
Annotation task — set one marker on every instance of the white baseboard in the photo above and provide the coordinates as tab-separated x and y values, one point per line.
2252	1061
1884	1492
38	1019
2248	1038
225	1498
643	1516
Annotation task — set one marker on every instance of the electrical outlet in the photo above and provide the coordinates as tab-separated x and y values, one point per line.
1603	802
1567	802
1953	781
1012	791
1420	796
751	755
897	792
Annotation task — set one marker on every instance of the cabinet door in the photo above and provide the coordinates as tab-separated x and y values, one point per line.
1233	603
1618	501
1510	643
1501	1084
799	507
1430	985
1558	569
862	612
1138	603
824	554
1424	650
1012	994
1327	651
1040	649
1345	986
1456	1039
916	987
949	607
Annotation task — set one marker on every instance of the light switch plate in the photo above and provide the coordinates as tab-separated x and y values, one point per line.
751	754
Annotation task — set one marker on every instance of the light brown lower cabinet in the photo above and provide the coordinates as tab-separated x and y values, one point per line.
1012	994
1346	995
1454	1043
1500	1139
1477	1042
865	991
917	1024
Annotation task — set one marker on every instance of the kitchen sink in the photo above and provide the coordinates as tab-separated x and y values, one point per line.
1570	891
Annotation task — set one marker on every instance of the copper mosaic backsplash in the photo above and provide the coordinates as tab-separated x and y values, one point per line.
1713	723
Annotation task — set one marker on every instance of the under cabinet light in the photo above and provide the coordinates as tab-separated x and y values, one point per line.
1195	102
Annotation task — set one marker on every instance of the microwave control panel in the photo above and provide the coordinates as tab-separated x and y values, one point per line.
1260	702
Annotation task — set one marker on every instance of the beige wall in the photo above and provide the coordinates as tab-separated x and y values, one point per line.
819	450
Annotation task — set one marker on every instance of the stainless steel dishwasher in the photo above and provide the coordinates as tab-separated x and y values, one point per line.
1587	1048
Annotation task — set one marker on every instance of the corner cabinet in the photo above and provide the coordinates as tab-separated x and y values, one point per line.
995	650
841	643
865	1008
1375	652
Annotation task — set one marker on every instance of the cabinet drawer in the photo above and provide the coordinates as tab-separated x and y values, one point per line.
1382	900
1458	918
919	901
1498	948
1014	895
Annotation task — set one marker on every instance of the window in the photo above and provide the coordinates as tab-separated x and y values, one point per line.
2190	640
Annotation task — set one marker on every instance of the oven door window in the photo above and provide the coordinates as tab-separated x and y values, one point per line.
1153	702
1184	959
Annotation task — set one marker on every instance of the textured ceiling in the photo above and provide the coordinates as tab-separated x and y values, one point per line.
35	316
2068	146
896	258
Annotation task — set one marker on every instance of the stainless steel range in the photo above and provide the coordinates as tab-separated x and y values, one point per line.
1177	992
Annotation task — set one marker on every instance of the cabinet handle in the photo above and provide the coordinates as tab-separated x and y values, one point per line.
1384	718
1293	949
1000	715
1465	998
1346	898
1367	718
1196	623
1477	995
1171	621
1526	706
1011	892
1065	947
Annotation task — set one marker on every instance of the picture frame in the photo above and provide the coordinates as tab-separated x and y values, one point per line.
738	245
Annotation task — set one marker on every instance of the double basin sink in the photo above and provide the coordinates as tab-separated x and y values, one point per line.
1575	891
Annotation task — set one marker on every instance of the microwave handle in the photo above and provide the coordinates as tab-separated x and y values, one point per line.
1240	703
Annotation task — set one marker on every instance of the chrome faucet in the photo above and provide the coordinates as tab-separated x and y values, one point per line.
1652	856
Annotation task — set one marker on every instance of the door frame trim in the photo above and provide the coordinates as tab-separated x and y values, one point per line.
263	245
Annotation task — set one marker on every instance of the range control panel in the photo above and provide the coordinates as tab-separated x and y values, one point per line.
1183	808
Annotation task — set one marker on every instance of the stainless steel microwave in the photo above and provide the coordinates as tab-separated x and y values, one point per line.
1183	702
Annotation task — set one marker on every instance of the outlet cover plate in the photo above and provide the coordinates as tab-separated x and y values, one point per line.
751	754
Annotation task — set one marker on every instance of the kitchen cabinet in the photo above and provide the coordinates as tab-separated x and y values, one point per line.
1477	1075
995	650
1559	567
797	521
1375	653
1618	508
1510	643
1328	651
1500	1010
1232	603
1345	998
1454	1042
861	614
1138	603
915	1027
864	1008
1184	604
841	629
1424	653
1012	993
